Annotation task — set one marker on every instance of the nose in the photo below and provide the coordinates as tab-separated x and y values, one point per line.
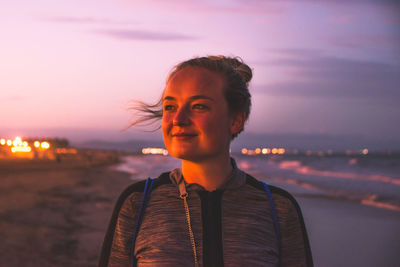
181	117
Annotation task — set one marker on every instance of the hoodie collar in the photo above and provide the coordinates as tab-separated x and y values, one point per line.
236	180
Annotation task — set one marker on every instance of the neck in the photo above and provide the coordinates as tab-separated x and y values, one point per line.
210	174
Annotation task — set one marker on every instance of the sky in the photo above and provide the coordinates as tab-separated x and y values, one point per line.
71	68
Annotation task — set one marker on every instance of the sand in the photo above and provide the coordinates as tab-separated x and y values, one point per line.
55	214
344	233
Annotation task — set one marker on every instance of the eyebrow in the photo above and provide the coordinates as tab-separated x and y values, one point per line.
195	97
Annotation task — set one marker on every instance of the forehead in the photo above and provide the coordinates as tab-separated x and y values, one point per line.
194	81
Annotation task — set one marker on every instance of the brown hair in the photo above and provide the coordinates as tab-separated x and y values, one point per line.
237	76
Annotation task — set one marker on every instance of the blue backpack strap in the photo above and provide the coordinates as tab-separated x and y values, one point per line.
145	198
274	217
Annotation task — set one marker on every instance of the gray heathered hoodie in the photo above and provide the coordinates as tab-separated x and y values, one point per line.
232	226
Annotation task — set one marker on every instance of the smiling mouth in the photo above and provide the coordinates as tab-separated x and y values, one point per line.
183	136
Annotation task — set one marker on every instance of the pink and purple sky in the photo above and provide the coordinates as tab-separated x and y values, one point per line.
69	68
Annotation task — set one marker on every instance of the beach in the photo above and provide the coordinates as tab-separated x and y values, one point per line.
344	233
56	213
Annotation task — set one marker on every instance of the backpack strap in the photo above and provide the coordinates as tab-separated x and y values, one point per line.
145	198
275	219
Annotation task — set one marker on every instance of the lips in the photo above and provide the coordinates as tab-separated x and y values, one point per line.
183	134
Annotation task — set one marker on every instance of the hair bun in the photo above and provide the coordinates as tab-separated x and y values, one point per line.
238	65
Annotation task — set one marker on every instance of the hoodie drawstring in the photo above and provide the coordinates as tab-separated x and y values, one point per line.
184	195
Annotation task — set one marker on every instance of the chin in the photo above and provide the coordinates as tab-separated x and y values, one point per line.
190	155
184	155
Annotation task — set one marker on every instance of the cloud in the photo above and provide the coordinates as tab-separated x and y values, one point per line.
124	34
85	20
388	41
261	7
316	75
296	52
388	8
246	7
145	35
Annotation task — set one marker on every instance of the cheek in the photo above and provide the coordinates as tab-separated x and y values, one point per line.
164	129
165	121
216	126
205	122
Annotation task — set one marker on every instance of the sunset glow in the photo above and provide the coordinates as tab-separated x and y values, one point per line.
83	61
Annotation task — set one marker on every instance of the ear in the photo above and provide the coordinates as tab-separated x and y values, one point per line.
237	122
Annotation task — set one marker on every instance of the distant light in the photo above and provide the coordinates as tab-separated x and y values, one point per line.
25	143
266	151
45	145
9	142
21	149
281	151
274	151
2	141
36	144
154	151
364	151
17	141
244	151
251	152
258	150
63	150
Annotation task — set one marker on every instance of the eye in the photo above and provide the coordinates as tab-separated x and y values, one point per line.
199	107
169	107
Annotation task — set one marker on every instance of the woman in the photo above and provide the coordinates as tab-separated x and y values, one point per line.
208	212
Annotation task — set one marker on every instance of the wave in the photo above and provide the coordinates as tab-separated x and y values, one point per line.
299	168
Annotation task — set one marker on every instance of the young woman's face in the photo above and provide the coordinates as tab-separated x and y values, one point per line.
196	123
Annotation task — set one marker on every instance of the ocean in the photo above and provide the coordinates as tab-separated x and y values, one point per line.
367	179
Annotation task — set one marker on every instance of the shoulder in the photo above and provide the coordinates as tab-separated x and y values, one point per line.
138	187
291	221
125	211
277	192
283	200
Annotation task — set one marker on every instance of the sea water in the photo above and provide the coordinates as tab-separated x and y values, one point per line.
369	180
